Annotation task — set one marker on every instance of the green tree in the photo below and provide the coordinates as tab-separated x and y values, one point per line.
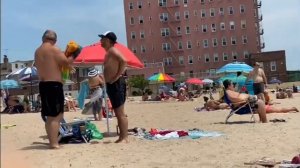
138	82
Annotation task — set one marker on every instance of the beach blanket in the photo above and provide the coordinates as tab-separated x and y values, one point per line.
162	134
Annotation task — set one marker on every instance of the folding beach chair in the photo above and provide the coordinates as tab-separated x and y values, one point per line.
241	110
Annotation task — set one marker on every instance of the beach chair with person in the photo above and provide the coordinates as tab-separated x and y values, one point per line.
241	103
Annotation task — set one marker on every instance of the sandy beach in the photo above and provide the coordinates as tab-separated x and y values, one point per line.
25	145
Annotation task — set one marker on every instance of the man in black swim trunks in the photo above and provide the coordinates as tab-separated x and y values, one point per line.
49	61
114	67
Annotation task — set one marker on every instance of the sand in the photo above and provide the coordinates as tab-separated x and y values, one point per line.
25	145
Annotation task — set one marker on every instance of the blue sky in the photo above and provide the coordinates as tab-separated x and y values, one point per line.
23	23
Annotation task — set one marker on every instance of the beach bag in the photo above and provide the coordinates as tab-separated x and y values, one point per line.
94	132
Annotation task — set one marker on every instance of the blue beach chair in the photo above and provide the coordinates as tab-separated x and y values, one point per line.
241	110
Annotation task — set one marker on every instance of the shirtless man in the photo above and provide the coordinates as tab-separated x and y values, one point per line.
238	99
96	83
49	61
259	80
114	67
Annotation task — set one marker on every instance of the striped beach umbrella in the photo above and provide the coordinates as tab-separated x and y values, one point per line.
235	67
161	77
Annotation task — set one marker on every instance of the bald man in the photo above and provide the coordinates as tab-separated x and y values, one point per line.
49	61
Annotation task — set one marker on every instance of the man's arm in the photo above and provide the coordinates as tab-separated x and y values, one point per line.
62	59
122	64
264	77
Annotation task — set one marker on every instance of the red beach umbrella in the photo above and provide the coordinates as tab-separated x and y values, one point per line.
194	81
94	55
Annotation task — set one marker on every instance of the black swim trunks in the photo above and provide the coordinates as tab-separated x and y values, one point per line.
52	98
117	92
258	88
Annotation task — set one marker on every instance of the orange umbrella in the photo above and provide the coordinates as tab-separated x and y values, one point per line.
94	55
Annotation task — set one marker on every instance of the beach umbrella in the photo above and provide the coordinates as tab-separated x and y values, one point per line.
9	84
24	74
161	77
273	81
207	81
235	67
95	54
194	81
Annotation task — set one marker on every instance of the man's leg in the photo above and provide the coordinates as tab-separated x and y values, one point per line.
52	128
123	124
261	111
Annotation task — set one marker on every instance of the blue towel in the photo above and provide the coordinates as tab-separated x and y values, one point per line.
83	93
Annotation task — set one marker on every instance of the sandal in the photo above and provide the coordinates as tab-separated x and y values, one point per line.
277	120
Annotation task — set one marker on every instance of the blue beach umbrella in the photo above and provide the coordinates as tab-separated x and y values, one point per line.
235	67
275	81
9	84
24	74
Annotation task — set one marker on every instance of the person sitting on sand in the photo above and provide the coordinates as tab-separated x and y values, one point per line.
281	94
214	104
145	96
238	99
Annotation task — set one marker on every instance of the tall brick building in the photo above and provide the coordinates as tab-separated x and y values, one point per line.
192	37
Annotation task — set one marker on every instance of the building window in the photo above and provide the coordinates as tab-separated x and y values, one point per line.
165	32
203	13
234	55
230	10
16	65
143	49
187	30
205	43
202	1
216	57
221	11
132	35
242	8
163	17
189	45
225	56
243	24
190	59
204	28
130	5
215	42
186	14
246	54
178	31
206	56
176	2
212	12
185	1
224	41
141	19
162	3
177	15
273	65
244	39
213	27
132	20
231	24
233	40
142	34
222	26
133	49
140	4
166	46
181	60
179	45
167	61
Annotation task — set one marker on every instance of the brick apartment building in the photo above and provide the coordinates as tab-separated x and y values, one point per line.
273	63
192	37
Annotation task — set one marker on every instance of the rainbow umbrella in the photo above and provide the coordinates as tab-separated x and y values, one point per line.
161	77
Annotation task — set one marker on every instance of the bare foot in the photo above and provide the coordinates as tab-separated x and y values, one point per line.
125	140
296	109
54	147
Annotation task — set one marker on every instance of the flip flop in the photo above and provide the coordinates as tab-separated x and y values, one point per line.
7	126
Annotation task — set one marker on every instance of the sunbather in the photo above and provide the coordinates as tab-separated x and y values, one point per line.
238	99
273	109
214	104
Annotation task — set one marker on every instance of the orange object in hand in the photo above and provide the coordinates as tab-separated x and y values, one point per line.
72	46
